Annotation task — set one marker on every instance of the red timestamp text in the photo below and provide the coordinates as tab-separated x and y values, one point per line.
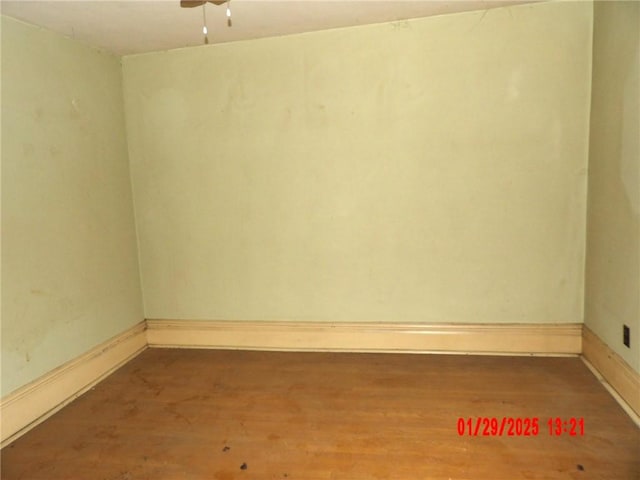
498	427
519	426
566	426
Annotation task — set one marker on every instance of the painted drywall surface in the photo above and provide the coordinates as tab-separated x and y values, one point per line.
612	294
431	170
0	209
69	260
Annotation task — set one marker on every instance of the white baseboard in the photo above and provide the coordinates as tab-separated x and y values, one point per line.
28	406
24	408
510	339
614	370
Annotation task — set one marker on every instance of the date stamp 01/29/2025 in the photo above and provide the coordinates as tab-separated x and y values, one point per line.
519	427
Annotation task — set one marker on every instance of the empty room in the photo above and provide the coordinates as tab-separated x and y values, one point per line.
304	240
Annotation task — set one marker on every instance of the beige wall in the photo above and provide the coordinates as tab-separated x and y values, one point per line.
432	170
613	259
69	262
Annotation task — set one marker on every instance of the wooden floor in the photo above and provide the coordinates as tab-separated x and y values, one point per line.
222	415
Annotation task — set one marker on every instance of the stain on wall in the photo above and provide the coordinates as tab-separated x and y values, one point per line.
432	170
69	260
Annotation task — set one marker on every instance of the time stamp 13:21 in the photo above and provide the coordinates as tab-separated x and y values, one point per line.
519	426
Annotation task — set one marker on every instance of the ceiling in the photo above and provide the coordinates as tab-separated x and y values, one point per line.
129	27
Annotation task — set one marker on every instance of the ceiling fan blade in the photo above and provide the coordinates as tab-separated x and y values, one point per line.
197	3
191	3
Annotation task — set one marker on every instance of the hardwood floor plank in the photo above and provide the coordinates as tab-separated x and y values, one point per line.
203	414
